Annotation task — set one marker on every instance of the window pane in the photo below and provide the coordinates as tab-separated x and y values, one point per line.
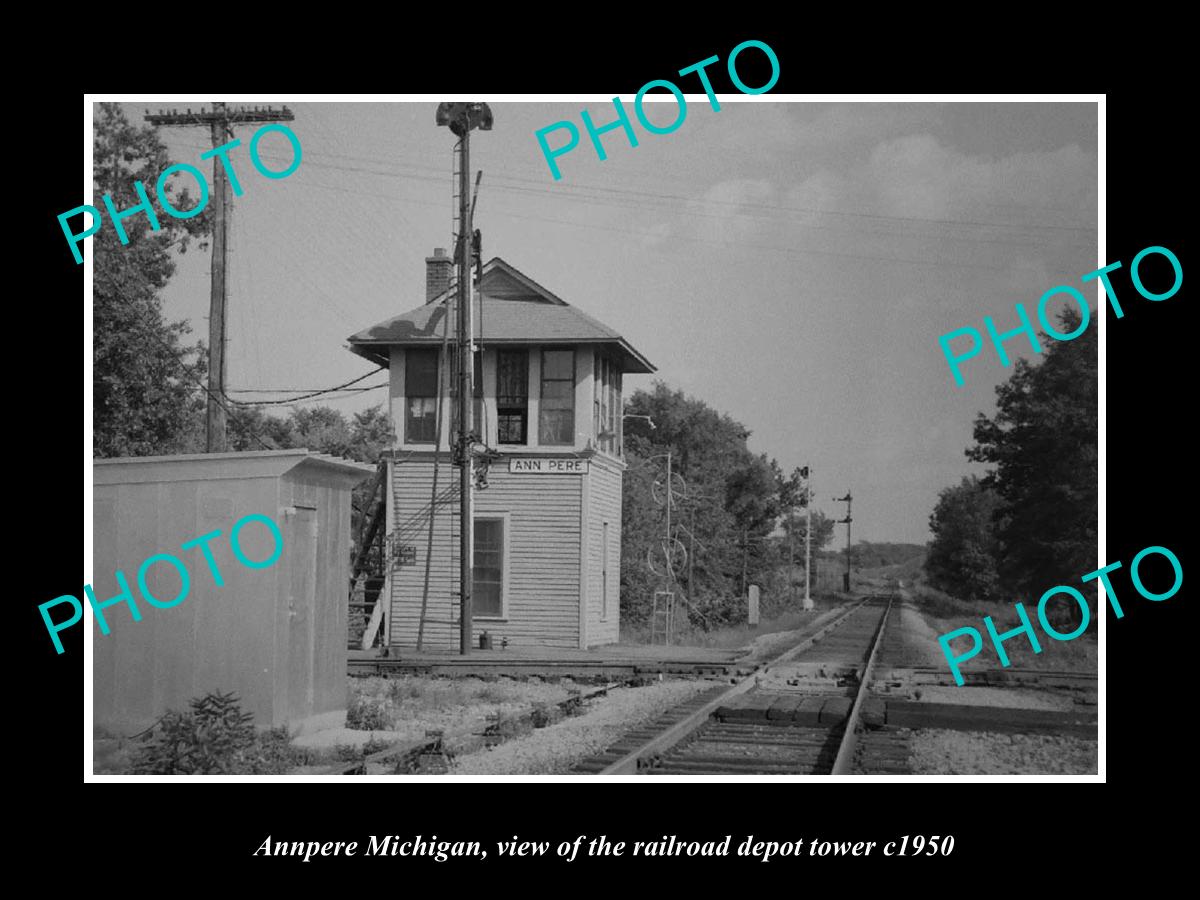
556	419
558	364
488	568
420	372
557	390
511	429
422	420
556	426
486	600
512	378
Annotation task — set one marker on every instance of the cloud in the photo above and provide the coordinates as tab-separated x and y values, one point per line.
918	176
656	234
730	211
882	198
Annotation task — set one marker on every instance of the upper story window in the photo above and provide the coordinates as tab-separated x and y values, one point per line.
556	413
512	396
421	392
606	391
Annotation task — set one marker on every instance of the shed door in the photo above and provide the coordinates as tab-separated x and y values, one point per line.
302	547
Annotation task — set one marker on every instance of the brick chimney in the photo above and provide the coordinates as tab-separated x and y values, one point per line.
438	269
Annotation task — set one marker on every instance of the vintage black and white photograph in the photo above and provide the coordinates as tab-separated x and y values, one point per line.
679	435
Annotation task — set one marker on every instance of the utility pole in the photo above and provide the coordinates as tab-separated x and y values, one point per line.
846	521
805	473
692	552
670	545
791	553
220	122
461	119
745	561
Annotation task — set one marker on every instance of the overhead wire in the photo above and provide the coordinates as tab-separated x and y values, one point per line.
645	200
580	191
313	393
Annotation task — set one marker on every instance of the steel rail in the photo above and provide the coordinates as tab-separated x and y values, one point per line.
845	754
665	740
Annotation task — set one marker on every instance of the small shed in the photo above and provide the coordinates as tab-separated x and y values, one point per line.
275	635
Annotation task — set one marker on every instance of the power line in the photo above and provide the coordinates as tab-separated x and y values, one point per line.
638	200
345	395
578	190
295	390
312	394
791	251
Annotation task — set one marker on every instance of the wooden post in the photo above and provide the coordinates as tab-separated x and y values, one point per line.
220	122
215	433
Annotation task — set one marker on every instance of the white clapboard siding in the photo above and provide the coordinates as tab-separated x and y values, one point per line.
543	514
604	505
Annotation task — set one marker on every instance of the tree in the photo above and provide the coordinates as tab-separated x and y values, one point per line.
321	428
873	555
792	501
249	428
1042	444
963	556
371	433
146	394
822	532
731	506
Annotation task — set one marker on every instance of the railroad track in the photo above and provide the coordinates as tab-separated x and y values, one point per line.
796	714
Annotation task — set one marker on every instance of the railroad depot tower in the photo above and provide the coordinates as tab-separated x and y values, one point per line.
548	465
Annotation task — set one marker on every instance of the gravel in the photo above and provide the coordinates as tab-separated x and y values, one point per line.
939	752
1008	698
556	748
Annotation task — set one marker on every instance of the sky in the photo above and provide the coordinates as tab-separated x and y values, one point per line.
790	264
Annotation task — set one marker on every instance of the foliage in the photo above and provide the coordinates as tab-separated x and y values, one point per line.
248	428
214	737
322	429
368	714
733	502
358	752
1042	443
793	498
822	527
146	397
871	555
371	433
964	554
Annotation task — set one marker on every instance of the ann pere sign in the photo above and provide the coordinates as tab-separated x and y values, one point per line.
551	466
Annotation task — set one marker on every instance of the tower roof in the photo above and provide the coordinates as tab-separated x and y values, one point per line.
516	310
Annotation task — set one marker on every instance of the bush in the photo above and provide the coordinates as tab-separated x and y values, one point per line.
214	737
368	714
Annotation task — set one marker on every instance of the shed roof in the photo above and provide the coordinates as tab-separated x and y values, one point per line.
514	310
207	466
